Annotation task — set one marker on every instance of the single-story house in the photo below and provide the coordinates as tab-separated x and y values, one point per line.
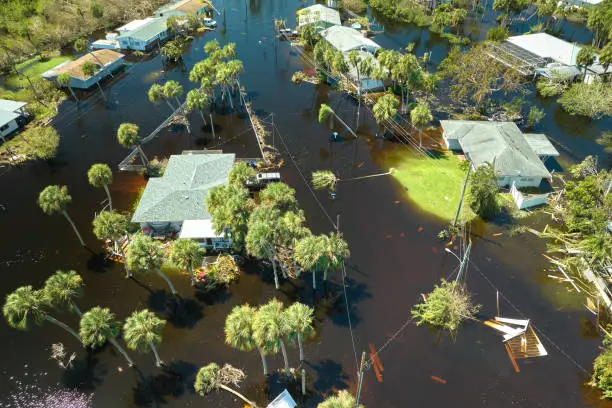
107	62
175	202
184	6
12	116
516	157
555	54
141	35
319	16
367	84
346	39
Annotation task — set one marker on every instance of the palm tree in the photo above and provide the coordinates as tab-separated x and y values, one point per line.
260	237
605	56
420	117
270	327
355	60
324	179
278	195
325	111
213	377
385	108
97	326
197	100
26	306
335	250
90	69
586	56
61	289
173	89
309	252
240	173
142	331
299	319
55	199
146	255
239	332
343	399
101	175
128	136
64	80
112	226
156	95
187	254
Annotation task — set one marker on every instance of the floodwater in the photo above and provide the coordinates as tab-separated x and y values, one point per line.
395	255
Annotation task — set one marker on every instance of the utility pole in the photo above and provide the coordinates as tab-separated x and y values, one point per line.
466	259
467	175
360	377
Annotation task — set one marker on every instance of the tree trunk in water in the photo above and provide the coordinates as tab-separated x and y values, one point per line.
121	351
264	363
102	92
325	274
285	358
275	272
128	274
158	361
64	326
168	281
299	338
76	231
420	138
73	94
314	280
203	118
170	105
236	393
76	308
212	125
110	200
191	275
303	381
230	100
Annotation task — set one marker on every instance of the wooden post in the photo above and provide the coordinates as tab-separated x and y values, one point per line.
467	175
360	377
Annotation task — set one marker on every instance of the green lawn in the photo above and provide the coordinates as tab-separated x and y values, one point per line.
434	184
32	68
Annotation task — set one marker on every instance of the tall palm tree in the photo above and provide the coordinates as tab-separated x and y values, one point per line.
156	95
142	332
61	289
310	252
343	399
128	136
173	89
280	196
212	377
64	80
55	199
98	325
586	57
101	175
144	255
355	60
197	100
385	108
420	117
112	226
239	332
26	306
299	319
335	250
270	328
240	173
187	254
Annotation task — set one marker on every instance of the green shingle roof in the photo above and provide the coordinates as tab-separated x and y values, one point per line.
499	143
180	193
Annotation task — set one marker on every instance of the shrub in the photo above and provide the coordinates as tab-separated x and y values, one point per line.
356	6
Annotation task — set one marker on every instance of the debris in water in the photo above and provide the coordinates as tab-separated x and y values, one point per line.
438	379
388	236
420	229
434	250
498	234
396	201
24	395
402	235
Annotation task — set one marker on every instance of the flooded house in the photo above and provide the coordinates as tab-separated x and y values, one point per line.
187	7
518	158
173	205
12	117
318	16
106	61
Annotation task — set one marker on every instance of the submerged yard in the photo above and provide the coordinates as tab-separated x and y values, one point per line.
32	68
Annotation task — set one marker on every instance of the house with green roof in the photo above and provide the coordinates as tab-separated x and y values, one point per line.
518	159
175	202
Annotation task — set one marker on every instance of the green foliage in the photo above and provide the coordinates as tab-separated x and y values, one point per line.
553	86
240	173
356	6
97	326
421	115
230	207
591	100
606	141
172	89
280	196
35	142
23	307
270	325
173	50
110	225
99	175
142	329
325	111
144	254
403	11
482	196
324	179
196	100
299	320
385	108
89	69
62	288
446	307
602	368
600	21
54	199
239	328
535	116
497	34
186	254
343	399
207	379
127	135
223	272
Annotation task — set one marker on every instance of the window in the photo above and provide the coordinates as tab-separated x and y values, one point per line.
3	128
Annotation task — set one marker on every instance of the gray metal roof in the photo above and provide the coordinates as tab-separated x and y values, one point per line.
6	117
318	13
540	144
499	143
148	31
180	193
8	110
346	39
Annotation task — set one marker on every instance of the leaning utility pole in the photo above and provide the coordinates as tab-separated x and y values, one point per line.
360	377
467	175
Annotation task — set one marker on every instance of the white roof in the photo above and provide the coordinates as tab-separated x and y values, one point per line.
11	106
347	39
317	13
283	400
198	229
132	25
545	45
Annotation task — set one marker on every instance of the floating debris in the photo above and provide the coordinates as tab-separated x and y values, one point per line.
438	379
34	396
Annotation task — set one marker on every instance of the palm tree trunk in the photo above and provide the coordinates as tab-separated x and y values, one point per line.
264	363
314	280
73	94
203	118
170	105
122	351
158	361
64	326
299	338
128	274
191	275
76	308
285	358
76	231
420	138
168	281
236	393
325	274
230	100
303	381
212	125
275	272
101	91
110	200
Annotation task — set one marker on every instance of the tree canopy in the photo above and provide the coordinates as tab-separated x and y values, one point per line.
483	191
54	199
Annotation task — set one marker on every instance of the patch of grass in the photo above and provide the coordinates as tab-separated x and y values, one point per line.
434	184
32	68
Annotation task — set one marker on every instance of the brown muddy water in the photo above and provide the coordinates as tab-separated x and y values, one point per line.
395	256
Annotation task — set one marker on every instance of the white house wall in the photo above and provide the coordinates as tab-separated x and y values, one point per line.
10	128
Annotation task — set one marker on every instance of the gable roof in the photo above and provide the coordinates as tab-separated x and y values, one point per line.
180	193
309	15
149	30
540	144
75	68
346	39
9	110
499	143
